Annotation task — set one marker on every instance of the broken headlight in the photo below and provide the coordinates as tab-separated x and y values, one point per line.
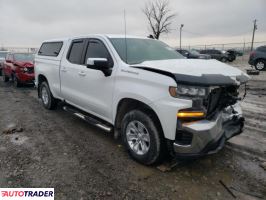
188	91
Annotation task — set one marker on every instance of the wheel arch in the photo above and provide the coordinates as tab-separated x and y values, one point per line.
41	78
127	104
260	59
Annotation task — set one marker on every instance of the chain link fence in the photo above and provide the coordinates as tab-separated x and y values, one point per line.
20	49
245	47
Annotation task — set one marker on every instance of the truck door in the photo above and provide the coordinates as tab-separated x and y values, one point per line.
86	87
69	72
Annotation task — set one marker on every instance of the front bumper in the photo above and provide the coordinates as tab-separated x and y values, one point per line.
26	78
209	136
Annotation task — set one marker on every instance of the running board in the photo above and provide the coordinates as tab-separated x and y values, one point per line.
87	118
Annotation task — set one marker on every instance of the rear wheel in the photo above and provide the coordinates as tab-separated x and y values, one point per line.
48	101
260	65
142	138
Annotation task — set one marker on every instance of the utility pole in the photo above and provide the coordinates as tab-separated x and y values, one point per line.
182	25
254	29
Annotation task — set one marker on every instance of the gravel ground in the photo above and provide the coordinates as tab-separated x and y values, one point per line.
56	149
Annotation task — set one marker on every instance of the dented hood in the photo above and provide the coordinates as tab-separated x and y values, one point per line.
196	71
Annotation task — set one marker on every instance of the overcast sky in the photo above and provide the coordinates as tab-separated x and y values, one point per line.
29	22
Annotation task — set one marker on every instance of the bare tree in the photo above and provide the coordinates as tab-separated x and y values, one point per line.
159	16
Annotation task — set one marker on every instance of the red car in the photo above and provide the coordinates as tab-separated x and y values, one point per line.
19	67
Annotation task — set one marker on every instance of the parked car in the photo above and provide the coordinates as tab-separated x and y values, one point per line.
231	55
216	54
143	91
236	52
257	58
19	67
2	60
192	54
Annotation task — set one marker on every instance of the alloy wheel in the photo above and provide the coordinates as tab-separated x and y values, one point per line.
138	137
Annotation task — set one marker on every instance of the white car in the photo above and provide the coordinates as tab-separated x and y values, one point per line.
145	92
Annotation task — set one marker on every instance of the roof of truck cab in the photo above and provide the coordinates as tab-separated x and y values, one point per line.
94	35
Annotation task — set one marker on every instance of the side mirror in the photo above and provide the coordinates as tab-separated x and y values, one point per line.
99	64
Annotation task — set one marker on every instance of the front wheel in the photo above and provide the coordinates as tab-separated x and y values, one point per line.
142	138
48	101
260	65
5	77
223	59
16	82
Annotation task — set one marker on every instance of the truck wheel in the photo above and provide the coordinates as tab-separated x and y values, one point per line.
48	101
16	82
5	77
142	138
260	65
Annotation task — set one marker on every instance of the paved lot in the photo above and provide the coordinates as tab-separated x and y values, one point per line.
56	149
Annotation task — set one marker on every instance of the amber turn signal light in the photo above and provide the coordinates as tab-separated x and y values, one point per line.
190	114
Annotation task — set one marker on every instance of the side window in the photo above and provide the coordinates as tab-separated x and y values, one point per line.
262	48
75	51
50	49
96	49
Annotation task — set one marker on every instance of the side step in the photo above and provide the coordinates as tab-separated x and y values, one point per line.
91	120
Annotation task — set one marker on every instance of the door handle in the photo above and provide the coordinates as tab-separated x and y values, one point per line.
64	70
82	73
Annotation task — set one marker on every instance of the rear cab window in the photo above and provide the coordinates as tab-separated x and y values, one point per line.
50	49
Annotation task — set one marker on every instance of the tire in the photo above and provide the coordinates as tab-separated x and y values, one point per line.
5	78
148	136
223	59
16	82
260	65
48	101
231	59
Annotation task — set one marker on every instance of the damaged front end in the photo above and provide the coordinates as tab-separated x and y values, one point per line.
221	121
215	115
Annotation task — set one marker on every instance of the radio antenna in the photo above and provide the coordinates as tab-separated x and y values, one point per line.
125	24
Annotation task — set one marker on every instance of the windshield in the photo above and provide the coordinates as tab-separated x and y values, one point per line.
194	52
140	50
24	57
3	54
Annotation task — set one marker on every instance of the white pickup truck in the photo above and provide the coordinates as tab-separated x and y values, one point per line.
142	90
